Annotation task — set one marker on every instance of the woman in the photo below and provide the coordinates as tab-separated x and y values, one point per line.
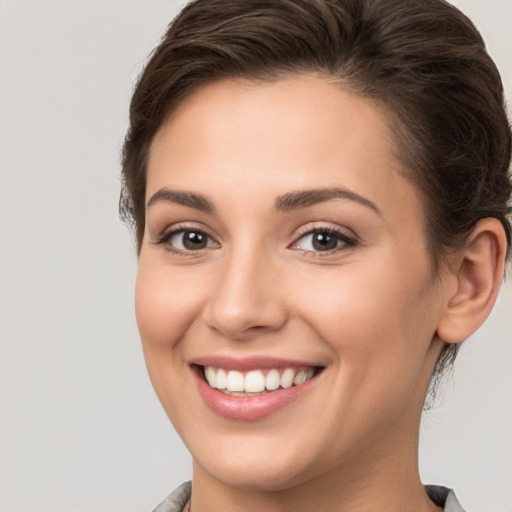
321	201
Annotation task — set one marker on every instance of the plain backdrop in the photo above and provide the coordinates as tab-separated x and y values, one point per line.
80	427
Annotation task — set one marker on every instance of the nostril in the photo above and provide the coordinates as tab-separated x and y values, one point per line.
237	331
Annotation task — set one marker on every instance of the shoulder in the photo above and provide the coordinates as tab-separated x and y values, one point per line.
444	497
176	501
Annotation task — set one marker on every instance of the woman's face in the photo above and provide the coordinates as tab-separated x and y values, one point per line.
282	243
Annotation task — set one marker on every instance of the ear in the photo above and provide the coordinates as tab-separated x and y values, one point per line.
478	270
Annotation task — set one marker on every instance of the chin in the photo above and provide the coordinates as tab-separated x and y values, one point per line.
264	477
255	466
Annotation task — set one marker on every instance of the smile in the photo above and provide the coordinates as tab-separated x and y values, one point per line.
261	381
253	388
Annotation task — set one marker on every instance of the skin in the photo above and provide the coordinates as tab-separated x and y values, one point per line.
368	312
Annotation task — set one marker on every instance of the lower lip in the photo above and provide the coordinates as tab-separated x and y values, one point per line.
248	408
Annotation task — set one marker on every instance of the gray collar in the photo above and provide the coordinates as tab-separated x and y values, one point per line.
179	500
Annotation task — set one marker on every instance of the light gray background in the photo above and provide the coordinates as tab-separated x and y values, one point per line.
80	429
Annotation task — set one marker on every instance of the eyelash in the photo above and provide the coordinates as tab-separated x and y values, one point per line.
165	237
348	242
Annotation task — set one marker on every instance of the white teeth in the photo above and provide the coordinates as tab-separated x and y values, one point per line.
287	378
220	380
272	380
209	374
235	381
255	381
300	378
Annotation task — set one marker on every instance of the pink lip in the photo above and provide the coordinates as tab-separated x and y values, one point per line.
247	408
245	364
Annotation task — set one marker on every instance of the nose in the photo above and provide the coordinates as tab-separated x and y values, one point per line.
247	298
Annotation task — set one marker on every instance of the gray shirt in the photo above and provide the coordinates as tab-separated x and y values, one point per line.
179	500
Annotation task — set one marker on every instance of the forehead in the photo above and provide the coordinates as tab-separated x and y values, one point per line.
272	137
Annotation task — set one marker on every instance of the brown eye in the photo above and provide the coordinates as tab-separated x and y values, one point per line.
190	240
323	240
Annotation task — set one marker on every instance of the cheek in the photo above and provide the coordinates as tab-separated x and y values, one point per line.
379	337
165	305
375	318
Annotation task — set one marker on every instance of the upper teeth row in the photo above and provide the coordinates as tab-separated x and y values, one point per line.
255	380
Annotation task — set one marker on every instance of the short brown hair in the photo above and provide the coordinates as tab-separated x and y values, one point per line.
422	60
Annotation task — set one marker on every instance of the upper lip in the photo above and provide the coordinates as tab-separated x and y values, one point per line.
249	363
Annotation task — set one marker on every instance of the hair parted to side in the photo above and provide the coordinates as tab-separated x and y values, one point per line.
423	61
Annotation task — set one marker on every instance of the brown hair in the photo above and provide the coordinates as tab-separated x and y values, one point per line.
422	60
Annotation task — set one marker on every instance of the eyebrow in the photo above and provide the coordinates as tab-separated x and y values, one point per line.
190	199
304	198
287	202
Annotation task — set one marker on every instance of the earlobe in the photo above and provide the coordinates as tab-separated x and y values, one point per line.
478	268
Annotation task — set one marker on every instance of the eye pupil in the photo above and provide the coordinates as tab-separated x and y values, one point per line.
324	241
193	240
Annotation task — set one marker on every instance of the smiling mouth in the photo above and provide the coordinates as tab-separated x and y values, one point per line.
256	382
